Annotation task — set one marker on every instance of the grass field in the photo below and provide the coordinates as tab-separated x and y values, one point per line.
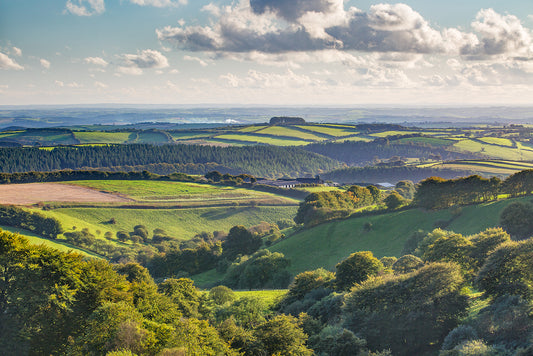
487	167
335	132
180	192
494	151
498	141
320	189
327	244
264	140
288	131
179	223
102	137
268	297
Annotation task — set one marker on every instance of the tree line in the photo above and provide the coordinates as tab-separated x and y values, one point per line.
383	148
439	193
261	161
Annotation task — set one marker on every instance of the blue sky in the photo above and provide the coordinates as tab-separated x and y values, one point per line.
245	52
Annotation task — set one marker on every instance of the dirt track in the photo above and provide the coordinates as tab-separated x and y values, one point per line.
31	193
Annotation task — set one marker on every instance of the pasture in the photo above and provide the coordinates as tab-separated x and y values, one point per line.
182	224
182	192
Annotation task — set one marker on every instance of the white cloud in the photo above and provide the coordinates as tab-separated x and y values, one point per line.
44	63
100	85
144	59
272	27
196	59
85	7
159	3
97	61
59	83
501	35
8	63
130	70
17	51
174	71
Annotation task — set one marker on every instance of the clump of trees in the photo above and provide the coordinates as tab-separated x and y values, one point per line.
324	206
35	222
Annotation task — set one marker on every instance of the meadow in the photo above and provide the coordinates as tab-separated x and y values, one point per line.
182	224
182	192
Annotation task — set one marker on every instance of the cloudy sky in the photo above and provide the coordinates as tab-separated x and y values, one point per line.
279	52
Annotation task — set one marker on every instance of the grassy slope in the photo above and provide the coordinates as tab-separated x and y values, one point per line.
37	240
179	223
327	244
177	191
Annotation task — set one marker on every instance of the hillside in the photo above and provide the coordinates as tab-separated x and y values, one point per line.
327	244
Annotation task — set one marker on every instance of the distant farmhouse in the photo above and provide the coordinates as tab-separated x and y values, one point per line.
286	120
290	183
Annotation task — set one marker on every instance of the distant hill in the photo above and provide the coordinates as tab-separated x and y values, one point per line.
287	120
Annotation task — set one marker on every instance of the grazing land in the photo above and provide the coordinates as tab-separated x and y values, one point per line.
182	224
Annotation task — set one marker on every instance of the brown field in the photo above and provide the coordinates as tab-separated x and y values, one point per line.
32	193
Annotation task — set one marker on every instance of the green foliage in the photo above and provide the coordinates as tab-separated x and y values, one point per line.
408	314
259	161
247	312
355	269
263	269
407	264
394	200
406	189
306	282
183	293
41	225
439	193
327	205
282	335
508	270
240	241
517	220
221	295
337	341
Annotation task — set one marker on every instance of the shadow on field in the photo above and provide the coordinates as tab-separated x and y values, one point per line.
219	214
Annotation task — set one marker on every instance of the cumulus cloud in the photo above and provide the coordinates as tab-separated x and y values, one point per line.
97	61
500	35
279	26
144	59
8	63
85	7
159	3
196	59
45	63
17	51
100	85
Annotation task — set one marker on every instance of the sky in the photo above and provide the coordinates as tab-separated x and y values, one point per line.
266	52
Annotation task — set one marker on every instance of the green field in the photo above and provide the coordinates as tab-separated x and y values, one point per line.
494	151
433	141
487	167
268	297
264	140
181	192
498	141
179	223
290	132
335	132
327	244
102	137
